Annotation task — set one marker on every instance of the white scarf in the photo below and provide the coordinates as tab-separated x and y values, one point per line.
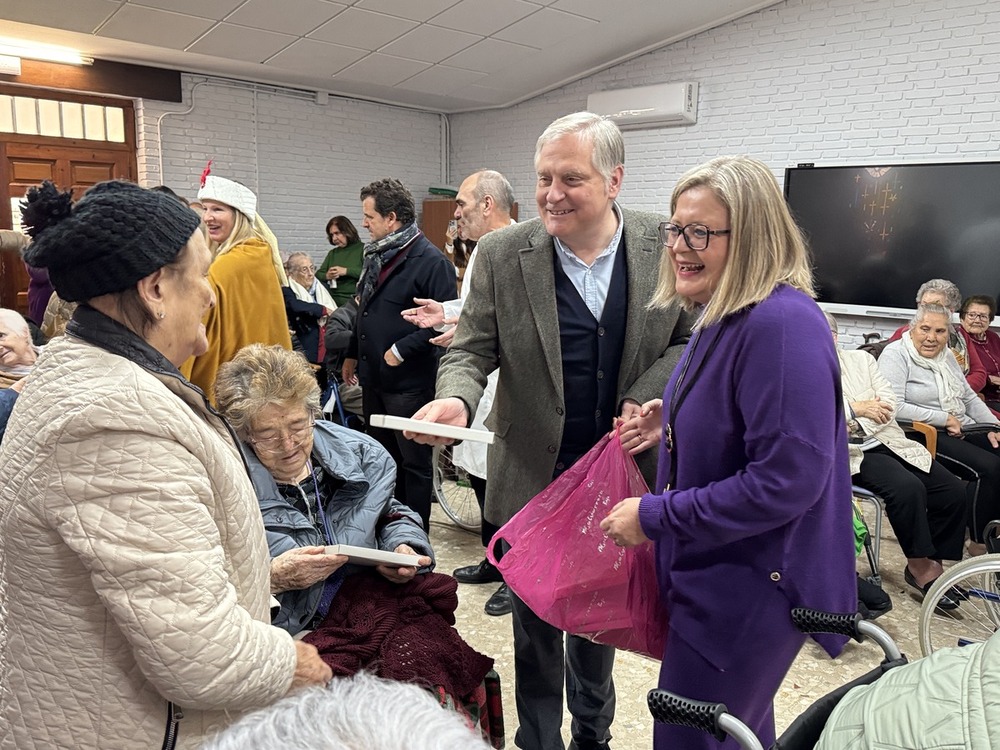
949	391
321	297
19	371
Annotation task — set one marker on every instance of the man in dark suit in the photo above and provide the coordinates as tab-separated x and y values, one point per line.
559	305
393	360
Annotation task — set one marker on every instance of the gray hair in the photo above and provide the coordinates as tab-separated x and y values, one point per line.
924	310
495	185
605	137
832	322
362	712
296	254
15	321
260	375
953	298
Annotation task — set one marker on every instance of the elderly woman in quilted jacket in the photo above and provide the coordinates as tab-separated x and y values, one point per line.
134	579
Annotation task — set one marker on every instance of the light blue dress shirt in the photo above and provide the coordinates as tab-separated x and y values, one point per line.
593	281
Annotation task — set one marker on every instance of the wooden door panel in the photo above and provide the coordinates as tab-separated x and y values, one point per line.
85	175
31	171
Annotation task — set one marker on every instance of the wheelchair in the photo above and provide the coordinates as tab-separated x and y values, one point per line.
804	732
976	581
453	491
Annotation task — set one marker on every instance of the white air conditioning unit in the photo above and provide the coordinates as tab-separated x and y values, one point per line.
659	106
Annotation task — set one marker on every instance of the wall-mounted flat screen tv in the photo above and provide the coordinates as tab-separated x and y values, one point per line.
877	233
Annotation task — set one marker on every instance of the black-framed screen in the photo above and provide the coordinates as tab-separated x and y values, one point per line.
878	232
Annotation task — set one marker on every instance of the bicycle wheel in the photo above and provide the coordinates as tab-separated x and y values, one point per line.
978	615
454	491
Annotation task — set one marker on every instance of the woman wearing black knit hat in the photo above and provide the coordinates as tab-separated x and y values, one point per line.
134	573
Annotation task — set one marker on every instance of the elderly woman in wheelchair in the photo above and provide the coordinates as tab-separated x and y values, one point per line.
320	484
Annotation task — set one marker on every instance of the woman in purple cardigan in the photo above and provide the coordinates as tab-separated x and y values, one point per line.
751	514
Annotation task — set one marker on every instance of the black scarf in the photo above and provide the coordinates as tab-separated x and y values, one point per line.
380	252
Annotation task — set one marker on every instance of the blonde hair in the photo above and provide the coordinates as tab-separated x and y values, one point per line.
766	247
243	230
261	375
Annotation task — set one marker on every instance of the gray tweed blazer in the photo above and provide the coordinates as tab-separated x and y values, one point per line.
510	321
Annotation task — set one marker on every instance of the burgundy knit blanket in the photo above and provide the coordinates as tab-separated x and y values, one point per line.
401	632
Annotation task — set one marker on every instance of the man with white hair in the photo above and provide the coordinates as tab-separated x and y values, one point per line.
483	204
560	305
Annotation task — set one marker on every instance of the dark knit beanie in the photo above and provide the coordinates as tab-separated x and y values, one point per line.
117	234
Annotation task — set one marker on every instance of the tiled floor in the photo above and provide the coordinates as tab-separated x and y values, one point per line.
812	675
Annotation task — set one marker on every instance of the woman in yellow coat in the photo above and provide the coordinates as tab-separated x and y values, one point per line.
246	277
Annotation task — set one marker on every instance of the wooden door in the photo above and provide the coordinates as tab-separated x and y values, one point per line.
25	161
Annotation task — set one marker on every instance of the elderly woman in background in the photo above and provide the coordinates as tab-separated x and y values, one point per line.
944	293
929	387
321	484
134	575
976	314
307	303
17	353
341	269
17	358
246	277
751	511
925	503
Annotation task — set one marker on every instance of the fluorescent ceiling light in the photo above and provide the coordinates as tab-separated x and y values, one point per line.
50	53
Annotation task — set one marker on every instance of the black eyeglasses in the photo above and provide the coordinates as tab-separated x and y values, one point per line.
697	236
978	316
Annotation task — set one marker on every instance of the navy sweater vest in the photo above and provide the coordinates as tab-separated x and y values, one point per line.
591	359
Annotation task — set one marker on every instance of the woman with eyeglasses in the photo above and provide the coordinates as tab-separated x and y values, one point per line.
318	484
976	314
341	268
751	511
307	303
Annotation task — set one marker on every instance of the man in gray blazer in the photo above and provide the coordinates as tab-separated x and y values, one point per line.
559	304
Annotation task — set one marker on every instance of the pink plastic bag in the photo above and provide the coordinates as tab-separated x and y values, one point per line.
569	572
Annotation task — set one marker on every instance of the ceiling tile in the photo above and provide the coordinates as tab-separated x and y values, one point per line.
545	28
297	17
430	43
215	9
440	79
241	43
84	16
361	28
423	10
382	70
485	16
160	28
490	54
598	10
316	58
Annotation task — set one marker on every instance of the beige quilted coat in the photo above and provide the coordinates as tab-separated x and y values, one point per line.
134	566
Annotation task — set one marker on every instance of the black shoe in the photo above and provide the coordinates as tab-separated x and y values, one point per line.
499	603
588	745
946	603
484	572
873	602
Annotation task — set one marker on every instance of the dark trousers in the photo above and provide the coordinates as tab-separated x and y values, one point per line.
544	657
974	459
488	529
928	511
414	462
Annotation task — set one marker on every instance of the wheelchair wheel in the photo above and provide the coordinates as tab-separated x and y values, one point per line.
978	615
454	491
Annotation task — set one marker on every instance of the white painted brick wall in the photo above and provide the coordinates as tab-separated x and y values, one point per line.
306	162
833	82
